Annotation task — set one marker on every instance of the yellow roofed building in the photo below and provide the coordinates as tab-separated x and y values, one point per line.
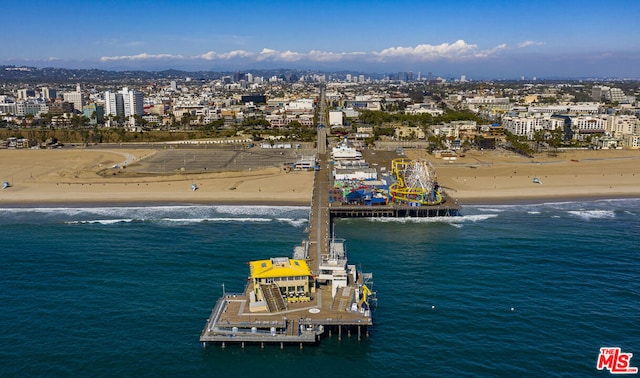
278	281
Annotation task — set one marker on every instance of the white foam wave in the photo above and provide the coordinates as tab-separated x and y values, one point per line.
533	212
179	213
224	219
457	220
258	210
101	221
593	214
492	209
294	222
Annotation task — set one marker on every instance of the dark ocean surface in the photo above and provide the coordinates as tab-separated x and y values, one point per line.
509	290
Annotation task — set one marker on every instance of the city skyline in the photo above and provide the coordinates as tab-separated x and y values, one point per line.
500	39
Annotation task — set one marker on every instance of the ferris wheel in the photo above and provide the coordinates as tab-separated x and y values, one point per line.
416	182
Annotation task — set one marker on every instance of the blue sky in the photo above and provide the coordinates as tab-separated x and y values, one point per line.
479	39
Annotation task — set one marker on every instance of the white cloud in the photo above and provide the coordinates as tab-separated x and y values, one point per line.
275	55
457	51
529	43
143	56
327	56
212	55
491	52
425	52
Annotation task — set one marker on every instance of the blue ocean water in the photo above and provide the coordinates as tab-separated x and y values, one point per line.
509	290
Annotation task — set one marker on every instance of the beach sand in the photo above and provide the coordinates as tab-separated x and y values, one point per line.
503	176
76	176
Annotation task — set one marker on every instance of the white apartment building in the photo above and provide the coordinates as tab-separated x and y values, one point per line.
133	102
585	125
583	108
124	103
113	104
527	126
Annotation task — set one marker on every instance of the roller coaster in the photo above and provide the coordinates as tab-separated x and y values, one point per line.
416	183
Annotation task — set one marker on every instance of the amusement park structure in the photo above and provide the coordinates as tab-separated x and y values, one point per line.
416	183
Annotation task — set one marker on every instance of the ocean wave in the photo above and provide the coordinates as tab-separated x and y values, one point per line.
496	209
101	221
224	219
457	220
175	213
259	210
300	222
295	222
593	214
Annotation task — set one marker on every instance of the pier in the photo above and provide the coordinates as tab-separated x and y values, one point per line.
393	211
327	310
337	300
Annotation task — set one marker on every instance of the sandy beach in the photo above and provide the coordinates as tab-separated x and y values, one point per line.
502	176
75	176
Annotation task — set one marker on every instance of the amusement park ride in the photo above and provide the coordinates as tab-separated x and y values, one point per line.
416	183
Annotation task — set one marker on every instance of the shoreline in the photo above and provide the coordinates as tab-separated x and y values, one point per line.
142	203
542	200
477	201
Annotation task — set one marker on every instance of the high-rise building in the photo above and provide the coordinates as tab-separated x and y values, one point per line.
24	94
239	76
76	98
133	102
113	104
48	93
